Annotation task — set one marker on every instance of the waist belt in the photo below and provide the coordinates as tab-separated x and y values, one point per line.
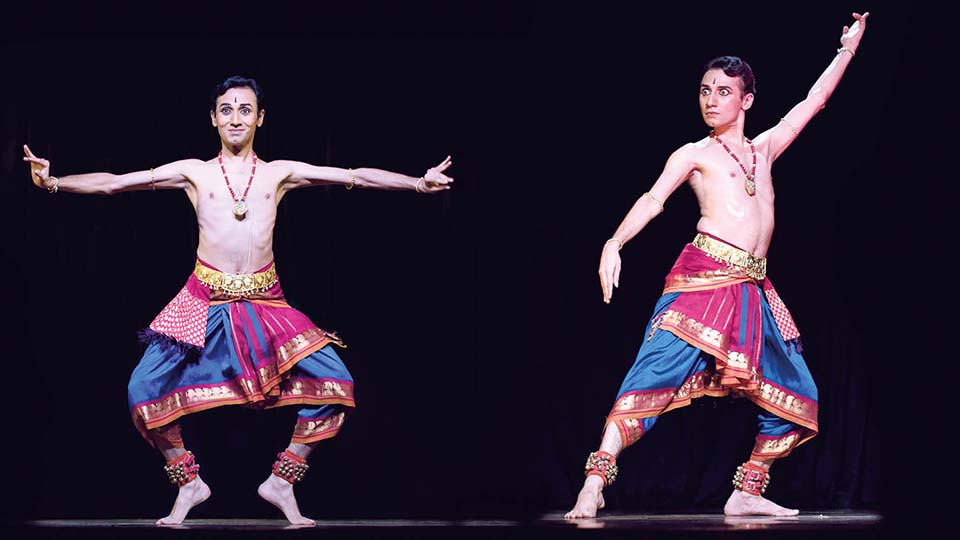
236	284
755	267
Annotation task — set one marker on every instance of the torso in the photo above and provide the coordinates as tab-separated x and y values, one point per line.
229	244
727	211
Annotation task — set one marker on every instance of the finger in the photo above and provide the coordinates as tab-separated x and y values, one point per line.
26	150
616	276
846	29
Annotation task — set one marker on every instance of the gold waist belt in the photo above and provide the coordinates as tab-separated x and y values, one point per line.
755	267
236	284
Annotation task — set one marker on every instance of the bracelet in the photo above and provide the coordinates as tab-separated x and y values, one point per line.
417	185
353	179
654	199
617	240
789	125
56	185
845	49
153	184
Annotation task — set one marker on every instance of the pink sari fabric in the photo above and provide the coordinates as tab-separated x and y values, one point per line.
722	320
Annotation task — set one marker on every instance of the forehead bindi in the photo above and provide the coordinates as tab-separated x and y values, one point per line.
238	97
716	78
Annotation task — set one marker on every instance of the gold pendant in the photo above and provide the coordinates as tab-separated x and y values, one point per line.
240	210
750	186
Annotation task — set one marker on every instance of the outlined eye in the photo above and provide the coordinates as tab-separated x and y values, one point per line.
724	92
704	91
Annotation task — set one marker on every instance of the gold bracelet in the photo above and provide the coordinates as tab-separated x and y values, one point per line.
417	185
789	125
617	240
845	49
654	199
153	184
56	185
353	179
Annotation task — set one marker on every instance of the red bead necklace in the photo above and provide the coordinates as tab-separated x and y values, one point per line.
749	183
240	206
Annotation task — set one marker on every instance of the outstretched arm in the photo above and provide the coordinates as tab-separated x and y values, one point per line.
169	176
776	139
303	175
676	171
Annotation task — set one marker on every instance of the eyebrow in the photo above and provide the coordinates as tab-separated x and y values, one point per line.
720	86
238	105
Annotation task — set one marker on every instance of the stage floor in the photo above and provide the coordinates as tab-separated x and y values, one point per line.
823	525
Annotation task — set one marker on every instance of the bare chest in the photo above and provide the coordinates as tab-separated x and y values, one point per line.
236	195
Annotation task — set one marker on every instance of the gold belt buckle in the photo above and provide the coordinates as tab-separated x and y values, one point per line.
236	284
755	267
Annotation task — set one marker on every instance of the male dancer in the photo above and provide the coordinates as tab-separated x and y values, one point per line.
720	326
229	337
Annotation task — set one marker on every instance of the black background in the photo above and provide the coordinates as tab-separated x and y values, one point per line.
484	358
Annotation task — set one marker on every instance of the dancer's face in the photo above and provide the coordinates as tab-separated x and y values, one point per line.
722	98
236	116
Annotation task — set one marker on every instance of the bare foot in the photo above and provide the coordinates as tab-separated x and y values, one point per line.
589	500
744	504
279	492
189	496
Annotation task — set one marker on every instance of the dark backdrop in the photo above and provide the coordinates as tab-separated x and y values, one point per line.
484	358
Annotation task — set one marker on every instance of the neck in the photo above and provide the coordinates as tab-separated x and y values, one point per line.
241	152
732	134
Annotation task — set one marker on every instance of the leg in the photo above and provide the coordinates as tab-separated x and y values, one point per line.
590	498
753	476
748	500
182	471
277	489
313	425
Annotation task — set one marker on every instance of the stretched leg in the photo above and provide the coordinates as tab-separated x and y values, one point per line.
590	498
182	470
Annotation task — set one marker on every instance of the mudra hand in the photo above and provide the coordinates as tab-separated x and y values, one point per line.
39	169
434	180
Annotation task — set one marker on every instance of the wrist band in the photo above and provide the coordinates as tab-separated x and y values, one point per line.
56	185
845	49
619	243
153	184
417	185
353	179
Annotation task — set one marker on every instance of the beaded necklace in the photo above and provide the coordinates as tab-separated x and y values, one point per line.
749	183
240	205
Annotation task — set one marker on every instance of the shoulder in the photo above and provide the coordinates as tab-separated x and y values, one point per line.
689	151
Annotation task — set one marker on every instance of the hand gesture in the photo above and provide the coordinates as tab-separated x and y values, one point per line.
435	180
39	169
852	34
609	270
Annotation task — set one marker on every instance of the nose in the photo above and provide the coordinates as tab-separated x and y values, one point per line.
712	100
235	118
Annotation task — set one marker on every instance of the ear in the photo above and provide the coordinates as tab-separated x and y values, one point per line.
260	119
747	101
213	118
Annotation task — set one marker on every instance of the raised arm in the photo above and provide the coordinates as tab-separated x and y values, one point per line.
170	176
678	168
776	139
304	175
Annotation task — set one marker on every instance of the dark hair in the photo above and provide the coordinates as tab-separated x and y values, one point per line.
236	81
733	66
